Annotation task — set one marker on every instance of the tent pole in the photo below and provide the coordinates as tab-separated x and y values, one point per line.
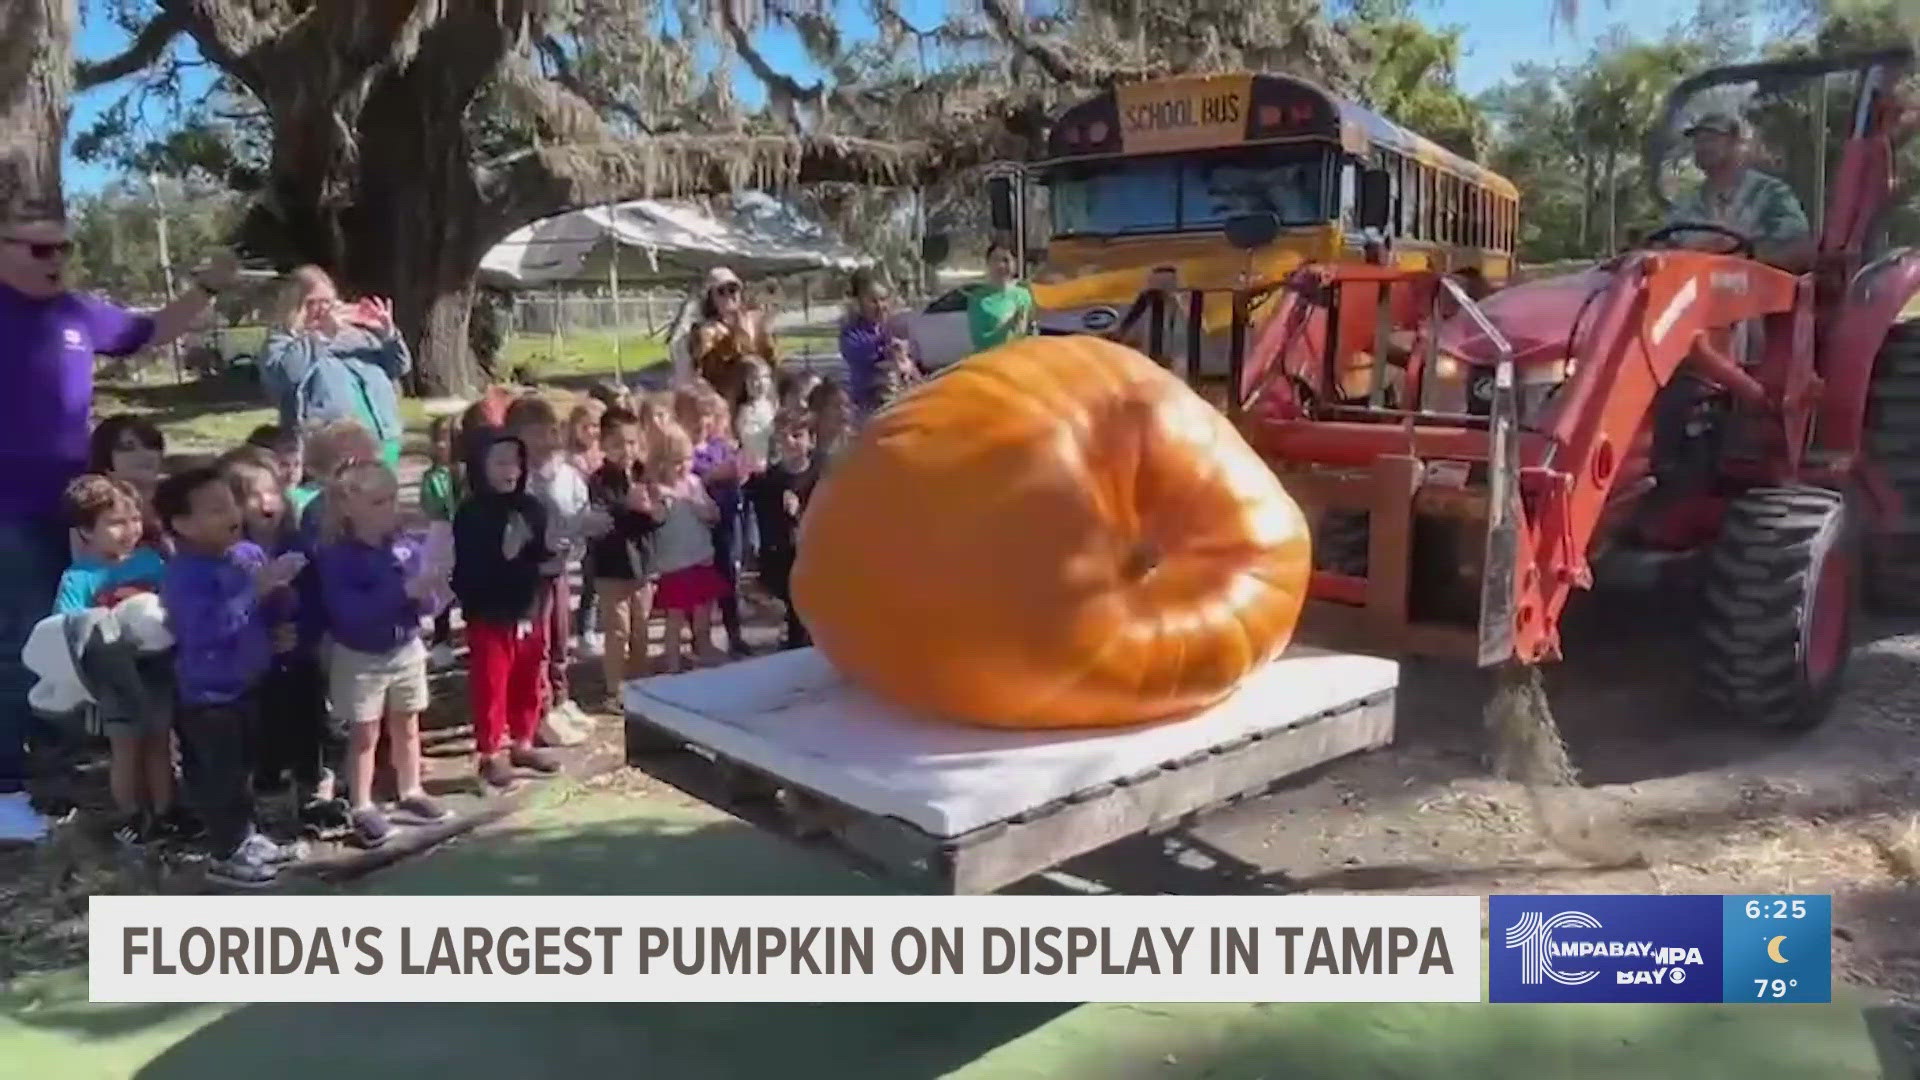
558	307
613	288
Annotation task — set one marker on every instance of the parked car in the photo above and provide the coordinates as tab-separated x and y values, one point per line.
939	331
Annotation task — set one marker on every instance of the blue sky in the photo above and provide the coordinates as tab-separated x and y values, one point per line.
1496	37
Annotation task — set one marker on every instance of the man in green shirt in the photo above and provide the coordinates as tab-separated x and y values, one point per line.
1001	309
1735	195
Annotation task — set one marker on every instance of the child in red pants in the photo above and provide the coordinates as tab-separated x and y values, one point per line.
499	544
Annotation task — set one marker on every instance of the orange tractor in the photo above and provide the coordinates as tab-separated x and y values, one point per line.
1684	408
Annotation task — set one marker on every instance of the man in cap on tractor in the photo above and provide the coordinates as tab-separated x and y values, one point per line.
1741	198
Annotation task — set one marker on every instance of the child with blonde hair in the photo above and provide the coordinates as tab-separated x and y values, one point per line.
688	584
327	448
376	583
704	416
585	455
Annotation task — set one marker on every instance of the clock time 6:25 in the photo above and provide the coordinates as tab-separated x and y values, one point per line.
1776	909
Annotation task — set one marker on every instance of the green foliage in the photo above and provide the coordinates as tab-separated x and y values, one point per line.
1407	75
117	234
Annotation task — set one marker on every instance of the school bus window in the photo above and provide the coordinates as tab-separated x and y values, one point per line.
1410	198
1430	204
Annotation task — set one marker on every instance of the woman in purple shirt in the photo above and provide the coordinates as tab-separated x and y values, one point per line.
51	336
864	333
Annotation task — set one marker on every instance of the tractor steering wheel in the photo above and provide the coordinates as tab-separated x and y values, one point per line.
1743	244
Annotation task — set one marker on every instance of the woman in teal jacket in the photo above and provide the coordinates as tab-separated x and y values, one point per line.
333	361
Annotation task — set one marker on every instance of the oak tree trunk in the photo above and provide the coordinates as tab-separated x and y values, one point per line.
418	228
36	76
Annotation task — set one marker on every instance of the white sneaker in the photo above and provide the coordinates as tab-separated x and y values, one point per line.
441	658
582	721
593	645
558	729
19	821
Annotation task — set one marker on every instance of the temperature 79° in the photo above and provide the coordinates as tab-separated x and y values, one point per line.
1776	988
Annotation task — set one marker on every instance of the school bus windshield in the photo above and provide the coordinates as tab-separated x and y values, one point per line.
1194	191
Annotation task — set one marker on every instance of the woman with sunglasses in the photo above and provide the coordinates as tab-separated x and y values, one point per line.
729	331
51	336
330	360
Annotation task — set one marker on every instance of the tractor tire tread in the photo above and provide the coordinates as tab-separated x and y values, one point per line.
1892	438
1760	576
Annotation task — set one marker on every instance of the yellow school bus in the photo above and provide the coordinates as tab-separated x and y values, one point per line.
1140	181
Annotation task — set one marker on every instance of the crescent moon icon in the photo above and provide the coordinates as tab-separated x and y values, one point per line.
1773	950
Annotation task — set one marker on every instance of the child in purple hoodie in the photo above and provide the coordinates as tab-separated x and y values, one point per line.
213	593
296	739
376	584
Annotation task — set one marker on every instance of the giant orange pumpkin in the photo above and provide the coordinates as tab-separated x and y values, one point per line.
1057	533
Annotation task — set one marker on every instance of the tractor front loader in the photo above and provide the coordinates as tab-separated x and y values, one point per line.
1683	413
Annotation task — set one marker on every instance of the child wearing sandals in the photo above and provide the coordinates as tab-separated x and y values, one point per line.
376	584
689	585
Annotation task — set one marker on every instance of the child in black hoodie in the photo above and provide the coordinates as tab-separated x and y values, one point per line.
620	563
499	544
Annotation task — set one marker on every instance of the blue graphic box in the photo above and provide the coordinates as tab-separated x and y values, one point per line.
1778	948
1604	948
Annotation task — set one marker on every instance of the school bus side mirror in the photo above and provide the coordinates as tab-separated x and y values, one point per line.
934	248
1250	232
1000	204
1376	199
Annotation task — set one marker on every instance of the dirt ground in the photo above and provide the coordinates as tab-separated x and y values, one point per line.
1678	801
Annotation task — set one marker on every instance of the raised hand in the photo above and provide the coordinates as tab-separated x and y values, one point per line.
515	537
280	572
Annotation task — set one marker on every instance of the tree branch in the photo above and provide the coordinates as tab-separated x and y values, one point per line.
541	182
1061	64
784	93
147	46
563	73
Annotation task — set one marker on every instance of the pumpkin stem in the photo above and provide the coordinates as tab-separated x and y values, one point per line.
1140	560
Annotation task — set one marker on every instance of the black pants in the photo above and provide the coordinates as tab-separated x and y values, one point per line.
726	558
217	762
776	573
294	725
586	615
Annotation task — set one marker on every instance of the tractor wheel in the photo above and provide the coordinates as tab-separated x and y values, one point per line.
1775	623
1893	442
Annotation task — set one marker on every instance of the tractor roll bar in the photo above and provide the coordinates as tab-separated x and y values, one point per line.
1769	75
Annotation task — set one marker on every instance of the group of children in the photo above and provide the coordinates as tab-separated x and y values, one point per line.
296	595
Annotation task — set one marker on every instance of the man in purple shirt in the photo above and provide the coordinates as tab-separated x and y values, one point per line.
48	339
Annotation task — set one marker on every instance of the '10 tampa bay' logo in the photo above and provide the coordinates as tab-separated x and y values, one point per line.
1607	948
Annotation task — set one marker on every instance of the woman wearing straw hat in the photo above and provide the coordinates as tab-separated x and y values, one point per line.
729	330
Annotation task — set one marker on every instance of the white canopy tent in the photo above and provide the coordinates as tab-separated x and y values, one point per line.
647	243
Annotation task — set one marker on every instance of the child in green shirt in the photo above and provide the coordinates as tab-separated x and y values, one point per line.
440	493
1001	309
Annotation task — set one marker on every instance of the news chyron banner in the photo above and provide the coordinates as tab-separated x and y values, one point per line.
1052	949
1723	949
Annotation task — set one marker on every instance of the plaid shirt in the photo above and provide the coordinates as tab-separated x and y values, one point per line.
1760	207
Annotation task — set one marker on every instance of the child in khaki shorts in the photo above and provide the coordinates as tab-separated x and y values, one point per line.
376	584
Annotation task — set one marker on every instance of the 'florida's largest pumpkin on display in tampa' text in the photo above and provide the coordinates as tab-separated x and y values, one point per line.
1057	533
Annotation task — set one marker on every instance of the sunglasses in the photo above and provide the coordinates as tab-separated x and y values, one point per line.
729	289
41	249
